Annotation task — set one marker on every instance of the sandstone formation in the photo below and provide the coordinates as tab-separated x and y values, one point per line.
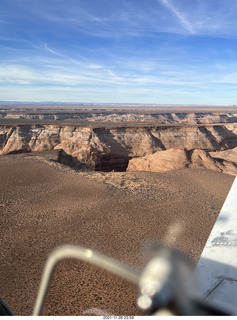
201	158
160	161
174	159
227	155
111	148
70	161
111	116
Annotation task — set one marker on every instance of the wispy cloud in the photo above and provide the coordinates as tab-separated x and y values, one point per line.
52	51
132	18
119	94
179	15
206	18
131	48
80	61
62	73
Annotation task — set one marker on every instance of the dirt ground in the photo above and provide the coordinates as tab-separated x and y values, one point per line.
44	204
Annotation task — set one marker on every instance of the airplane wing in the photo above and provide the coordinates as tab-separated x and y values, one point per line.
217	268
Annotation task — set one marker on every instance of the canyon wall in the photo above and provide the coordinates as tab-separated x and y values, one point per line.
118	148
190	118
173	159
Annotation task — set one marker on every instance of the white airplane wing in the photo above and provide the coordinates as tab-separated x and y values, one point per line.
217	267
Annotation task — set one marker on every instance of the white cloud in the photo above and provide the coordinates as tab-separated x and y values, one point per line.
179	15
120	94
89	75
95	66
52	51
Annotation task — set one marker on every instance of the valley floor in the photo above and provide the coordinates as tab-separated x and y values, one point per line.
43	205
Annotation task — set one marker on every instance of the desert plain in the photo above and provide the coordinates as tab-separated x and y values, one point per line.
45	204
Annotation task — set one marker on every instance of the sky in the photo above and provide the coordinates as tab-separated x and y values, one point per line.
119	51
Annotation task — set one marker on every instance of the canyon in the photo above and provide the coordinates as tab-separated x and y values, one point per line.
124	116
126	140
110	184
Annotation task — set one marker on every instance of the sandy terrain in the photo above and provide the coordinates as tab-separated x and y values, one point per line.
44	204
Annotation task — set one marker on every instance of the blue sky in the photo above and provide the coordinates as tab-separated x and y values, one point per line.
128	51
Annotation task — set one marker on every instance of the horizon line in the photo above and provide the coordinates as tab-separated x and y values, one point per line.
20	102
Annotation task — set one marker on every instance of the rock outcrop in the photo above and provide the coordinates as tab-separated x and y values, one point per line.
111	116
174	159
72	162
201	158
112	148
160	161
227	155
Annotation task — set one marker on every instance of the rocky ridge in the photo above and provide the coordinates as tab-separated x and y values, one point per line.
118	148
165	141
173	159
111	116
